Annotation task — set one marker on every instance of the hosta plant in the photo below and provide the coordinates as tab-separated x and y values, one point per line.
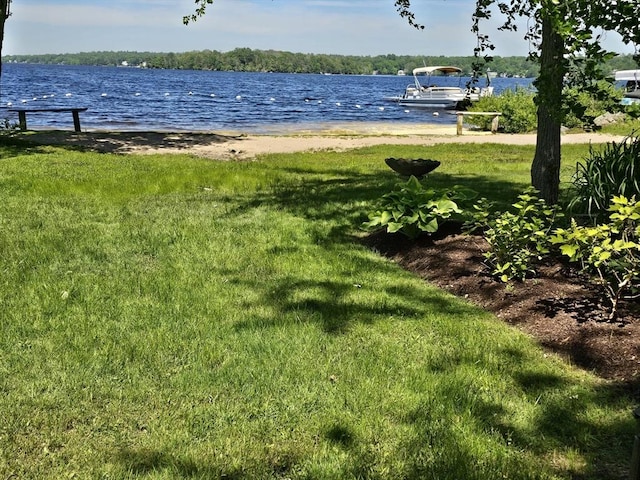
414	209
610	252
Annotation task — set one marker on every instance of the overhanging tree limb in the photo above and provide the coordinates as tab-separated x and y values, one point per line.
402	6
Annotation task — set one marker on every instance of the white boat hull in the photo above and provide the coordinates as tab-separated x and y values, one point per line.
446	104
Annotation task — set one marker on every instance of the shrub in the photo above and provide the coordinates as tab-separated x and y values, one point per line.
517	107
609	252
7	127
414	209
632	110
583	107
614	170
516	239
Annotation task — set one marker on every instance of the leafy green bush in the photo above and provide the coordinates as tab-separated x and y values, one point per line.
632	110
517	238
609	252
517	108
7	127
519	111
583	107
614	170
414	209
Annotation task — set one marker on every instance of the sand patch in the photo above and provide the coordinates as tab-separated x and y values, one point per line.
238	145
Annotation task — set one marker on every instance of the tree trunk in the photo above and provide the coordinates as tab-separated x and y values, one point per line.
545	169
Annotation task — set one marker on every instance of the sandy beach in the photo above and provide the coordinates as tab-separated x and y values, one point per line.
238	145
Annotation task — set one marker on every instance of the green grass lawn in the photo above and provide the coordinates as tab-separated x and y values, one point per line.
173	317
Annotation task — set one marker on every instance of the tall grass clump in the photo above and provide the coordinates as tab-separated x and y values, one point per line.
608	171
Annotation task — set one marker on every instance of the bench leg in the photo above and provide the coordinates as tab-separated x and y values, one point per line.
459	125
494	124
22	120
76	120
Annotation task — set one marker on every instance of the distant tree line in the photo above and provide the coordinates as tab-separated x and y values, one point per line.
248	60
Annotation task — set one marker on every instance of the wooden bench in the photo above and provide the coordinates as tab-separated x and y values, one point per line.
22	114
494	121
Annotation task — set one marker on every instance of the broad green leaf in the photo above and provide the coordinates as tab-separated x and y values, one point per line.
385	217
569	250
430	227
394	227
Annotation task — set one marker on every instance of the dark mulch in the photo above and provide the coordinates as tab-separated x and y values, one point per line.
557	307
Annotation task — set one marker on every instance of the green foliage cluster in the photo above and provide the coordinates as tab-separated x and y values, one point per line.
413	209
7	127
517	107
610	252
249	60
605	173
632	110
516	238
582	107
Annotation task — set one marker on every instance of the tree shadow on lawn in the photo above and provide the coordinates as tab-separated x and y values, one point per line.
561	435
11	146
335	306
443	434
122	142
562	432
560	424
351	197
342	203
143	462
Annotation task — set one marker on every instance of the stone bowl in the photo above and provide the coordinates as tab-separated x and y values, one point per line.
418	167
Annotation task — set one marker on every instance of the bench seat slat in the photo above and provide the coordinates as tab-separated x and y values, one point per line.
27	110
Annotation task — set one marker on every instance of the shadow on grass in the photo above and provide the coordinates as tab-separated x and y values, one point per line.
457	432
351	197
144	462
335	305
561	427
121	142
579	446
13	146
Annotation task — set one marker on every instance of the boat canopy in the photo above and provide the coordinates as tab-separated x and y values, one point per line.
430	70
628	75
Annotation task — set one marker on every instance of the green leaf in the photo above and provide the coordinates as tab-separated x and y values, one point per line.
394	227
569	250
430	227
385	217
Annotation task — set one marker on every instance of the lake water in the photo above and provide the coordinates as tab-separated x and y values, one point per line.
149	99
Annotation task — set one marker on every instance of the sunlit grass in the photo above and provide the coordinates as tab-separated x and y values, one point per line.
173	317
625	128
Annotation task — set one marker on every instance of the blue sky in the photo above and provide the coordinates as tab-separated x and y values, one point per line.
346	27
